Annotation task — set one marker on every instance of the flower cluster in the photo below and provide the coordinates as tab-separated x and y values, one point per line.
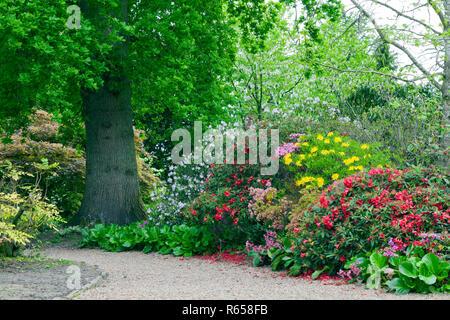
363	211
318	159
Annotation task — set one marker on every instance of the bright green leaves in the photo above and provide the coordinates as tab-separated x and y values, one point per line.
375	269
413	272
408	269
177	240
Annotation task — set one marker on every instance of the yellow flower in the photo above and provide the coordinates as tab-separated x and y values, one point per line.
298	183
330	134
320	182
332	151
364	147
327	141
345	144
320	137
298	163
349	161
324	152
338	139
305	144
297	144
341	153
314	149
302	157
335	176
287	159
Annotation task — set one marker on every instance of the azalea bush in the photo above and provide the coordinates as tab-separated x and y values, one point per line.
362	212
224	205
315	160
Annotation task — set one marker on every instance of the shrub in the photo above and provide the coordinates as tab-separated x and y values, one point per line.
270	208
315	160
24	210
223	206
64	186
361	212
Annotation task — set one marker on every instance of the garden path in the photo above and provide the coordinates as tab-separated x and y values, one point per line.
135	275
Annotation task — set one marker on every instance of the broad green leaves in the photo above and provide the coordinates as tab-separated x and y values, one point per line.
413	272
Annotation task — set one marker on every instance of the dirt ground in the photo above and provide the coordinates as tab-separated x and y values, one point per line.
33	277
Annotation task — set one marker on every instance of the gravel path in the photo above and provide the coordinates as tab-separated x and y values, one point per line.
135	275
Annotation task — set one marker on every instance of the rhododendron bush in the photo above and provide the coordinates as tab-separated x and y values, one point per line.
224	205
364	211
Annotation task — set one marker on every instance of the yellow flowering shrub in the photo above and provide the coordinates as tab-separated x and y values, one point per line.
320	159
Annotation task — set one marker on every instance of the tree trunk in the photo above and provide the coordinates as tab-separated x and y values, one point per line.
111	192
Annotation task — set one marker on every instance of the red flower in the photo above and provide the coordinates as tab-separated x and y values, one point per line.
342	259
382	235
348	182
227	193
323	201
218	216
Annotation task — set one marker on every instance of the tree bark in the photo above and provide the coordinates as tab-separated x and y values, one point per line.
112	193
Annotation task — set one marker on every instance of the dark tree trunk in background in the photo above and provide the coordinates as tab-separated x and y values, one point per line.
111	192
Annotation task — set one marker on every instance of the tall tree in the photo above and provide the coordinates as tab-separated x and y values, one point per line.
95	73
431	36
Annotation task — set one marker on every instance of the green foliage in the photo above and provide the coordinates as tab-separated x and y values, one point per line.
61	167
363	211
411	271
24	210
177	240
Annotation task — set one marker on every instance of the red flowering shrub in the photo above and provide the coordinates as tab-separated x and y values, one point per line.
224	205
362	212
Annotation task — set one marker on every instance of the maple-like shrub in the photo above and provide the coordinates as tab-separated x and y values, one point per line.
64	186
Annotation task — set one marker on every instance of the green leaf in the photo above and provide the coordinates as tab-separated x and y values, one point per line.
426	275
257	261
396	261
378	260
408	269
317	273
433	263
398	285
